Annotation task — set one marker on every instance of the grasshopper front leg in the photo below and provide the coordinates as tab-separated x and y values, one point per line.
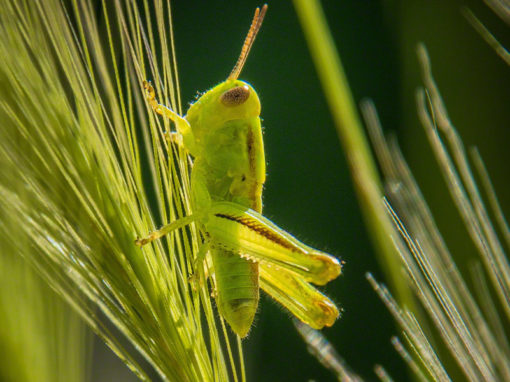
184	135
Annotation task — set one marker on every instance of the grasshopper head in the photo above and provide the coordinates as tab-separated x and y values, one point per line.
232	99
227	101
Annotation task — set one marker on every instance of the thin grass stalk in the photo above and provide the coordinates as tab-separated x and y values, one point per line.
82	142
472	333
351	134
486	34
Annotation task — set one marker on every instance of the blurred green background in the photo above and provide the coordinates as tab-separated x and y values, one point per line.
309	190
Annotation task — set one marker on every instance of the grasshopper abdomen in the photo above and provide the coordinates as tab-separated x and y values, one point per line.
237	283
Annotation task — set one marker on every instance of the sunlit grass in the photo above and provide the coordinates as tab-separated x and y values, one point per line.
41	337
85	170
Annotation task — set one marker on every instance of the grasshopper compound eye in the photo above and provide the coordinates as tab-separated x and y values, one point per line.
236	96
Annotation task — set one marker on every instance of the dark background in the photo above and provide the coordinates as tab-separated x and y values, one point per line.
309	190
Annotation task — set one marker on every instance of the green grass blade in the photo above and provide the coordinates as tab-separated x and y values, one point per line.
351	134
96	172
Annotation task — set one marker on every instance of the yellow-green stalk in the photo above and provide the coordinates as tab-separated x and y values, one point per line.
352	136
79	137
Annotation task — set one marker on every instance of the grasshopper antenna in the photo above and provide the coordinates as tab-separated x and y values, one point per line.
248	42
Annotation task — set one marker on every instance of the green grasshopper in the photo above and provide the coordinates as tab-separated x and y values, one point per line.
222	131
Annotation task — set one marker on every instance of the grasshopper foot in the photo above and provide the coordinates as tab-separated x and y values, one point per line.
175	138
140	242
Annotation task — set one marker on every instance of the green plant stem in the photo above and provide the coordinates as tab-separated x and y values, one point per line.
351	134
